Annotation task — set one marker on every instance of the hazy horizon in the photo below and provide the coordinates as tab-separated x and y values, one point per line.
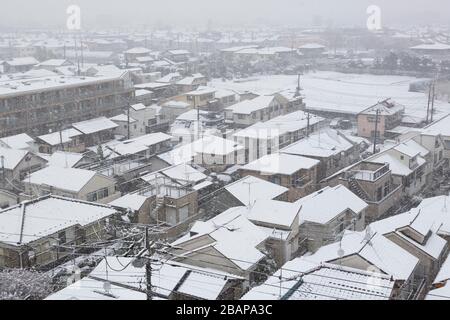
200	13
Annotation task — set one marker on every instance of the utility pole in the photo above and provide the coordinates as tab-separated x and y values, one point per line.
2	162
428	104
128	121
307	124
148	266
375	132
433	96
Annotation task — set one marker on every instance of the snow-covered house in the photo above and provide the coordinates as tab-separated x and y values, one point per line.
301	279
334	149
297	173
35	232
373	182
209	151
248	112
228	242
408	164
416	232
20	141
327	213
172	281
72	183
16	164
270	136
374	253
95	131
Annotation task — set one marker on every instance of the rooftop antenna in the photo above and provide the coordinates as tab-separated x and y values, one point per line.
249	183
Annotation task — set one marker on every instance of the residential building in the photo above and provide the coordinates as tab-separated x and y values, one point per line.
372	182
327	213
299	281
332	148
71	183
15	165
297	173
270	136
248	112
41	105
37	232
389	115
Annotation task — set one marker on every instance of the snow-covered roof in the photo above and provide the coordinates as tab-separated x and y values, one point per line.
376	249
94	125
122	118
12	157
131	201
273	213
207	144
69	179
312	46
327	203
250	189
93	289
275	127
417	221
280	163
233	235
434	46
301	279
64	159
138	50
35	219
440	126
22	61
18	141
176	104
249	106
58	137
386	107
53	62
323	144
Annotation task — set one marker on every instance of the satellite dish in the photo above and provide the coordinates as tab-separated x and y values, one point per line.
340	252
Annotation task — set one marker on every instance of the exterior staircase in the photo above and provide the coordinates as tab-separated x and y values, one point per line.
356	189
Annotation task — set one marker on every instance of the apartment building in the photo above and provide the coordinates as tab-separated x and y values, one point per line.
45	104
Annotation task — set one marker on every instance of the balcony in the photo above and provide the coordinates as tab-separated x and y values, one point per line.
368	171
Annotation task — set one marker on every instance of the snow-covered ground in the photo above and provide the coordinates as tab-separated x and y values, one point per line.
347	93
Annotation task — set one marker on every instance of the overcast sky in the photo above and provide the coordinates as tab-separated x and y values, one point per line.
124	13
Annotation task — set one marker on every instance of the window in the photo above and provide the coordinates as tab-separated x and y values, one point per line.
402	157
103	193
91	196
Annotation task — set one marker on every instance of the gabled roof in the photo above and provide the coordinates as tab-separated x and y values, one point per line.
64	159
232	234
35	219
376	249
321	144
281	163
94	125
12	157
301	279
69	179
250	189
249	106
18	141
327	203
